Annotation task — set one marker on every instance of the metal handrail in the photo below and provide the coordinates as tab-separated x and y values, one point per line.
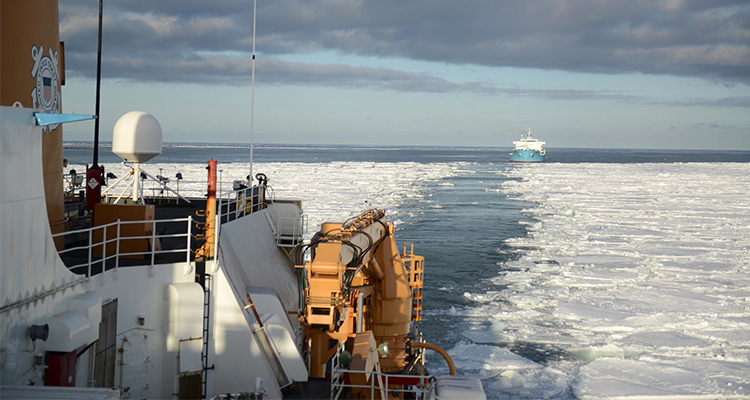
245	202
105	241
338	387
338	384
231	204
298	226
70	186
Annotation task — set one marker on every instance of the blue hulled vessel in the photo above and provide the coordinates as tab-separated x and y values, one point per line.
528	149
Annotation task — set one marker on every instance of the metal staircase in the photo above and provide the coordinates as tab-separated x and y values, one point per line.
288	226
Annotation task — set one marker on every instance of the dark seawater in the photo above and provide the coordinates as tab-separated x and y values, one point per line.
463	242
461	232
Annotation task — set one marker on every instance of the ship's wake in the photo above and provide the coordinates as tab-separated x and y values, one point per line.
635	281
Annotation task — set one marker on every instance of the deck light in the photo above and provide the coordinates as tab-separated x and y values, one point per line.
383	349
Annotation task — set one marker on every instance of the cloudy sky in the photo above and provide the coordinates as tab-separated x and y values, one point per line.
588	73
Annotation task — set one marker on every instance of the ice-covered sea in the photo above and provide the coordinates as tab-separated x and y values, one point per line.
332	191
634	282
559	280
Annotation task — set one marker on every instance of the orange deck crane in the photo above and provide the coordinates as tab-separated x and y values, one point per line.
357	282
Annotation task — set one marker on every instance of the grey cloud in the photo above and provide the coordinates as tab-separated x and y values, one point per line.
687	38
344	76
736	101
203	41
231	69
713	125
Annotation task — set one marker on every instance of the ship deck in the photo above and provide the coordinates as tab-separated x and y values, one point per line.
170	219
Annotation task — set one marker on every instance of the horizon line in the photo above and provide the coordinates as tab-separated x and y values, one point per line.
393	146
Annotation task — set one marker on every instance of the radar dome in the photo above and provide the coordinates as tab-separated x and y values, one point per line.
137	137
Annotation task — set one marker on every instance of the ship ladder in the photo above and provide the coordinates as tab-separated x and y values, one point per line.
207	281
415	266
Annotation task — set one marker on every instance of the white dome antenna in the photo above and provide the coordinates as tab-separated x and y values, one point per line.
137	137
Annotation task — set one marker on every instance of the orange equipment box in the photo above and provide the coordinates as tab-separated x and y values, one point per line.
134	237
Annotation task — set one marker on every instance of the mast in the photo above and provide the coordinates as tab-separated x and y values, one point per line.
252	101
98	89
94	174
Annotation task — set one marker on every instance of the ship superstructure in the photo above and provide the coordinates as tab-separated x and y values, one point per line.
528	149
146	303
175	297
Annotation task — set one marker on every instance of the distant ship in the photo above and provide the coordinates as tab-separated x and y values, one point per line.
528	149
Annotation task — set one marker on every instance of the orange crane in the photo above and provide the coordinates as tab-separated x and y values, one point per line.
357	282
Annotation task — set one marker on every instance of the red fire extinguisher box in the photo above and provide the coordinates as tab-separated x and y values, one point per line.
61	369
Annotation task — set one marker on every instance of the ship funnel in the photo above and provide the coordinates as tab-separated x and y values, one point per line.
32	72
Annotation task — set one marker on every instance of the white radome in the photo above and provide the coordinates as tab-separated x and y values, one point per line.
137	137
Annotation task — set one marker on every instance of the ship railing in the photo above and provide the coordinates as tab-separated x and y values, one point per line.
75	188
173	192
238	203
73	182
380	385
188	189
289	229
289	226
92	250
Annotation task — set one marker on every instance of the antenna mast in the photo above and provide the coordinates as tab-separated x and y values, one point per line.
252	101
95	173
98	89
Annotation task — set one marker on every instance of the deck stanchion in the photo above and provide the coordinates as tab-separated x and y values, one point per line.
153	242
117	246
104	248
91	242
237	205
189	234
217	229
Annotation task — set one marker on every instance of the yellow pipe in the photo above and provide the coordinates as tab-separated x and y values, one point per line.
440	351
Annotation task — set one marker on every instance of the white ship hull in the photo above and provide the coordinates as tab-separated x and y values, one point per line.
157	319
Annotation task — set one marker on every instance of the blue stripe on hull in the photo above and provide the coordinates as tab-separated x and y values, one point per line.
526	156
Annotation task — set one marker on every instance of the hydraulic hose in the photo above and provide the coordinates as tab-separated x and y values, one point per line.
440	351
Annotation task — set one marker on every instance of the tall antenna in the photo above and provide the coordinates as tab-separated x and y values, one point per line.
94	174
98	89
252	102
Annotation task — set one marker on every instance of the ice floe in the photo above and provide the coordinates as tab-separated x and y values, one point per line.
634	283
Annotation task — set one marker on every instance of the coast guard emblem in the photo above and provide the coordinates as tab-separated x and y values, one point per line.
45	96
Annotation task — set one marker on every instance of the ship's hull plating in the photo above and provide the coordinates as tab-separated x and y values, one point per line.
526	156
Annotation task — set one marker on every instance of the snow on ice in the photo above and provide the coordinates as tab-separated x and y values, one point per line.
330	192
634	283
